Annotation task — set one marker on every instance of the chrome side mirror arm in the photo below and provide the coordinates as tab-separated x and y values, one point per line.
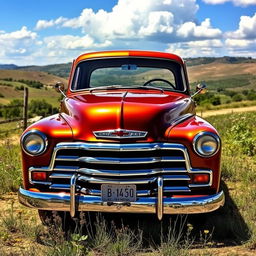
59	87
199	89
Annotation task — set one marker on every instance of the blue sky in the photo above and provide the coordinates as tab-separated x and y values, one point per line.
46	32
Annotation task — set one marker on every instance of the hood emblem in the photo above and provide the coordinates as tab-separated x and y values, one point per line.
120	134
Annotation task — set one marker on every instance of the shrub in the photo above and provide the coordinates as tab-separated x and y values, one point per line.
237	97
39	108
33	84
13	112
19	88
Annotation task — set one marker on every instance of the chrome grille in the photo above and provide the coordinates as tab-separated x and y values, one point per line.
107	163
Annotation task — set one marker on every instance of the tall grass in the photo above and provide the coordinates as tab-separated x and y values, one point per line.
237	219
10	166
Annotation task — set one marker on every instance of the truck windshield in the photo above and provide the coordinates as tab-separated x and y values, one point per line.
128	72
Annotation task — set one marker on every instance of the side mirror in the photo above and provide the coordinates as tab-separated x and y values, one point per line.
200	88
59	87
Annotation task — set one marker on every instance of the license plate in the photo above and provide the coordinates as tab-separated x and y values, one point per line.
118	193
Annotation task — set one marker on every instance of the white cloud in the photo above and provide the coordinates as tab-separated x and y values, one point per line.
16	42
69	42
242	47
196	48
243	40
246	30
240	43
22	34
132	19
133	24
43	24
204	30
235	2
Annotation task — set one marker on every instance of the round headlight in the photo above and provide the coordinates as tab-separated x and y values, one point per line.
34	142
206	144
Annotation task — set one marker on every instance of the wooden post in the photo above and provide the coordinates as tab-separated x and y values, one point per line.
25	109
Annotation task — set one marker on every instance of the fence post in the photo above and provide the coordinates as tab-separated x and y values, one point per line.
25	109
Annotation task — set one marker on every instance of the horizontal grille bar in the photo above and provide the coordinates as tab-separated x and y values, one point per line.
118	147
117	181
109	160
60	173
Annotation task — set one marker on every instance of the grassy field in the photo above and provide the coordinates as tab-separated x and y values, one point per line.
43	77
228	231
10	93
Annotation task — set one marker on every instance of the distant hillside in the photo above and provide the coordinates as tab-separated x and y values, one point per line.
44	78
61	70
225	59
215	71
12	83
8	66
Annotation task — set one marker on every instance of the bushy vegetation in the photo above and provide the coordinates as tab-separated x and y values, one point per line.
12	111
40	108
10	166
222	96
35	108
30	83
238	132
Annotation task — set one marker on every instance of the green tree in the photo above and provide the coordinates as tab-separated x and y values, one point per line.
237	97
13	112
39	108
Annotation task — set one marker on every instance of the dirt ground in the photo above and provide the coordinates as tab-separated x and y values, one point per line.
225	111
14	243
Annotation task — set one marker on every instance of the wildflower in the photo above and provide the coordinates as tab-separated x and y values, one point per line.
206	231
190	227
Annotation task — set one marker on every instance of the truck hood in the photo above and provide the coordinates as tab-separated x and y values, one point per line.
152	112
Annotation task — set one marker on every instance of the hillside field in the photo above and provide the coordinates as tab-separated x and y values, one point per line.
9	91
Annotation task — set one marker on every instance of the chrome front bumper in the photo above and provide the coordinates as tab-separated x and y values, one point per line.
160	206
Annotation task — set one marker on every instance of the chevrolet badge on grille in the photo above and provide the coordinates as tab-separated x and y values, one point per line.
120	134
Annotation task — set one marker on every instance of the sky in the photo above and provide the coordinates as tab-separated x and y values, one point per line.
45	32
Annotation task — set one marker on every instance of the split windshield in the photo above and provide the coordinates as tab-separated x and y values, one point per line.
128	72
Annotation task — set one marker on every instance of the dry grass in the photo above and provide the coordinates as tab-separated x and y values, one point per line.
43	77
215	71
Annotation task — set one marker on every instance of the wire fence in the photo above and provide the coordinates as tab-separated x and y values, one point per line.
24	118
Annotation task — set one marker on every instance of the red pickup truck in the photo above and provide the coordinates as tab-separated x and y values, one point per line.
127	139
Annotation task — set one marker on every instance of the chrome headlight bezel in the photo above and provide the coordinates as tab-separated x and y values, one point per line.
28	136
208	137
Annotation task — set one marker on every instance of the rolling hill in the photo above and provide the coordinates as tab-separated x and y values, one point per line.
10	90
225	73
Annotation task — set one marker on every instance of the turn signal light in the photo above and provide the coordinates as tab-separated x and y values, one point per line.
200	178
39	176
34	190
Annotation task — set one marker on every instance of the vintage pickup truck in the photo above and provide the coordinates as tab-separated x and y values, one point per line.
127	139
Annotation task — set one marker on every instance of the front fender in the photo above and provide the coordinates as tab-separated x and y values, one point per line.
185	133
56	130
